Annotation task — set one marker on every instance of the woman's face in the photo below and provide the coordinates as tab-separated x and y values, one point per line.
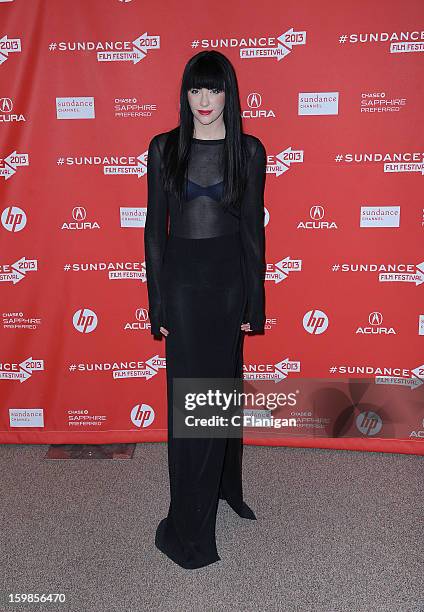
212	100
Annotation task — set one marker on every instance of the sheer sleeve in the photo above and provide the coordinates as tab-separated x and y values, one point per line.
155	234
253	239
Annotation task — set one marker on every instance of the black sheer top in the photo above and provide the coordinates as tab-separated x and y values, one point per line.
203	216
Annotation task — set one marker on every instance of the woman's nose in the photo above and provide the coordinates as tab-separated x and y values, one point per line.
205	98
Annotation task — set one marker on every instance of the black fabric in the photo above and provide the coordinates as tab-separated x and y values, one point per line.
204	217
203	297
202	278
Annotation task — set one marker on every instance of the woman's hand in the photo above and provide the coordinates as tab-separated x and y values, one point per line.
164	331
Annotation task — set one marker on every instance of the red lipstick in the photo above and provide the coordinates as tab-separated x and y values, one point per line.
204	112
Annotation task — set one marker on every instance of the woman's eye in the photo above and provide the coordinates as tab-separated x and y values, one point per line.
195	91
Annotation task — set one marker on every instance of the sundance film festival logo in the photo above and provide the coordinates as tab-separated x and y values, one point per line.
273	372
375	326
392	273
6	112
383	375
15	272
13	219
400	42
260	46
280	270
127	368
117	270
284	160
415	276
8	45
20	371
9	164
112	164
391	162
254	102
112	51
418	376
413	381
317	221
285	44
79	216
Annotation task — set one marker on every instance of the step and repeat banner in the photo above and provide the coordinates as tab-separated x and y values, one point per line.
335	93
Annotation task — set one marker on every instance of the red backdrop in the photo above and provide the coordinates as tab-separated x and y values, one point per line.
332	90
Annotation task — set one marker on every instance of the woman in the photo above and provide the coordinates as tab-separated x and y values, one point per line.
205	285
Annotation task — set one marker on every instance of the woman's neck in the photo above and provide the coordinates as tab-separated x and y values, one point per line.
205	132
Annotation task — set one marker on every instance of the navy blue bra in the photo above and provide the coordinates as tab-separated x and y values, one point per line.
212	191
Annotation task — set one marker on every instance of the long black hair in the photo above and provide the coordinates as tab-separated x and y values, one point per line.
212	70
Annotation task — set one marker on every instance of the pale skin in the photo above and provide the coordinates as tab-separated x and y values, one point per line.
207	127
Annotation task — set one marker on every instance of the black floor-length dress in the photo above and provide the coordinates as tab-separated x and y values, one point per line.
205	278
